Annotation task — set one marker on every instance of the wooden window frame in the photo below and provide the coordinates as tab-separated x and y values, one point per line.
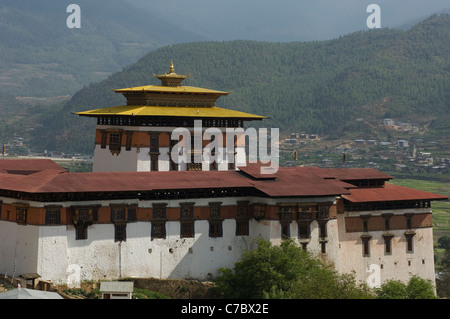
187	220
215	220
366	239
53	215
159	221
388	244
21	214
242	219
115	141
120	231
129	140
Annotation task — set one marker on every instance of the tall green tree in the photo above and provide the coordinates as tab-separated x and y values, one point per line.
416	288
285	272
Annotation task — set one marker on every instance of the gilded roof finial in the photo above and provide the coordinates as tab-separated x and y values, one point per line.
172	69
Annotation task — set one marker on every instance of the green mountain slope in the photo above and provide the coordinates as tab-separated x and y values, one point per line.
320	87
41	57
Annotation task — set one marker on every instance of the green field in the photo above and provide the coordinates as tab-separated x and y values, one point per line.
441	209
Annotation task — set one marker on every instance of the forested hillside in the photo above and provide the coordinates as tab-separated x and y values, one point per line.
41	57
320	87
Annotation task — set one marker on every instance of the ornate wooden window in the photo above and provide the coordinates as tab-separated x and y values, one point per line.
323	211
187	220
259	211
154	142
132	213
118	213
242	219
304	230
80	232
215	221
322	230
115	142
53	215
304	219
21	214
285	221
154	163
159	221
82	218
120	231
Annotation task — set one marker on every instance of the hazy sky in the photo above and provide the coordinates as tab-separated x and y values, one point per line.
286	20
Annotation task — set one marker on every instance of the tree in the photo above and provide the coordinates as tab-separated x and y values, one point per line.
444	242
284	272
417	288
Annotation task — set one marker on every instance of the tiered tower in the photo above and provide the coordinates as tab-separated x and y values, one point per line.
137	136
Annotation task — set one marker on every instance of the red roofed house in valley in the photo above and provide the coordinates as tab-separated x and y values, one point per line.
150	218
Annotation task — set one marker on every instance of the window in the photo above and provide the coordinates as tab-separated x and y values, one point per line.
304	230
323	247
388	244
21	215
132	213
323	230
187	230
120	231
115	140
366	245
242	219
118	213
104	138
187	220
259	211
129	140
53	216
158	230
159	221
323	211
215	228
408	218
215	221
80	232
365	222
387	221
285	221
410	242
242	227
305	213
82	218
154	163
154	143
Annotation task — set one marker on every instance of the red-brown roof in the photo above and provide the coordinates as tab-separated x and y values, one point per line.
390	192
349	174
27	166
286	182
289	182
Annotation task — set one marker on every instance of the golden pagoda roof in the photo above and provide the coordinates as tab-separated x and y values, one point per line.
176	111
170	89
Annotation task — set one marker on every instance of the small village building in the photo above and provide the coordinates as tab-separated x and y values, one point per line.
116	289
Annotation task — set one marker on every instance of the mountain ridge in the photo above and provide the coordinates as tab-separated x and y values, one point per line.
319	86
